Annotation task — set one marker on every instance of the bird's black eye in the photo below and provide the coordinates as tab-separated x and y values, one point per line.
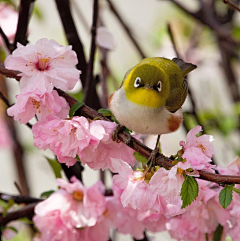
137	82
159	86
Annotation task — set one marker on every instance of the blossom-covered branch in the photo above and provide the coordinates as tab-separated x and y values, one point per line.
131	141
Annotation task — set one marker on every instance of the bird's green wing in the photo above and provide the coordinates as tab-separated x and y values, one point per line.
185	67
177	97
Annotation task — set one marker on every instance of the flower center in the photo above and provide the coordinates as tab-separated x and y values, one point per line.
36	104
78	195
180	170
42	64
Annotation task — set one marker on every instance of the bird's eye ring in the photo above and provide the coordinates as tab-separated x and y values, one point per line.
137	82
159	86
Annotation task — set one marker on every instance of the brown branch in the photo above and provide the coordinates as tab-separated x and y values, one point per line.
19	198
233	5
89	85
26	211
72	35
141	148
5	40
126	28
25	11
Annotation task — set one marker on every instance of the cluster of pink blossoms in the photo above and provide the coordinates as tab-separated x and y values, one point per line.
43	66
90	140
143	199
159	190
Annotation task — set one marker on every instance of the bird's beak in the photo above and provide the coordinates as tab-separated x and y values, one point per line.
147	86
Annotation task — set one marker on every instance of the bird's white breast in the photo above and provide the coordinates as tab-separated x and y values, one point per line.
143	119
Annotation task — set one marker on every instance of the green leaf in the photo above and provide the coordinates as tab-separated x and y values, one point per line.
225	196
25	220
236	190
218	233
12	228
105	112
75	107
56	166
189	191
140	158
46	194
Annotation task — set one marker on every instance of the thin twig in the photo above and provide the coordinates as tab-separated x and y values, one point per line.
18	188
5	40
72	35
89	77
126	28
25	11
19	198
233	5
170	32
130	141
4	99
26	211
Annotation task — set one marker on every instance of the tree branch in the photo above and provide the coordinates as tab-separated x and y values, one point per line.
130	141
5	40
126	28
26	211
25	11
19	199
72	35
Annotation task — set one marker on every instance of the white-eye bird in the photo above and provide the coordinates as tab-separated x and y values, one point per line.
151	95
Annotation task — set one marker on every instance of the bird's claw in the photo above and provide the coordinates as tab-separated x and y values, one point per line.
116	131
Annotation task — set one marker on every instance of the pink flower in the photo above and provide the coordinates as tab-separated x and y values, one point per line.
8	19
74	206
40	104
136	192
196	223
66	138
168	184
197	151
44	65
105	38
52	227
101	151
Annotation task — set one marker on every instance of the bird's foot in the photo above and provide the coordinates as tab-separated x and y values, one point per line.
116	132
152	158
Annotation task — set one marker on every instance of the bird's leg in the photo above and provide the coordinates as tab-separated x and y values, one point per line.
152	158
116	131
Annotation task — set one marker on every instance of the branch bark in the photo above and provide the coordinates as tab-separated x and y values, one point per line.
130	141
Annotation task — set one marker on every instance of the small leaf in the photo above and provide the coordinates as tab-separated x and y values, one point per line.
189	191
225	196
140	158
218	233
25	220
12	228
235	190
75	107
46	194
105	112
56	166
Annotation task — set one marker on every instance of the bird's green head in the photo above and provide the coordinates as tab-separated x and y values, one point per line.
148	85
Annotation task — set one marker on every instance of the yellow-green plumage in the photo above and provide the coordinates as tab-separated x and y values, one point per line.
151	95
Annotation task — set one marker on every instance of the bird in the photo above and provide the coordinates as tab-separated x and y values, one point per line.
151	95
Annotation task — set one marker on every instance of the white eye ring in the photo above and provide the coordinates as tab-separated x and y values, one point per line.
159	86
137	82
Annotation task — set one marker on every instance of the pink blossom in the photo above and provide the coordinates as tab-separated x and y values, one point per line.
8	19
40	104
196	223
66	138
105	38
136	192
99	154
197	151
72	207
44	65
168	184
